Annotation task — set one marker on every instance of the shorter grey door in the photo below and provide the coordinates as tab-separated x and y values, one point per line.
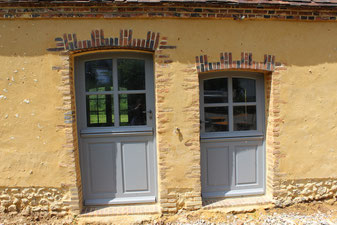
115	114
232	167
232	134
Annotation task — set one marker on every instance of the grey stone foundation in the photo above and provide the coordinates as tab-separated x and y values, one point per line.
306	190
35	200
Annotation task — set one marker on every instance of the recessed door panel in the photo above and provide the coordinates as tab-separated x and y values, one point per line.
102	157
245	165
135	166
217	166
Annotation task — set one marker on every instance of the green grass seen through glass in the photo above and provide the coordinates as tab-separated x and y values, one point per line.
94	119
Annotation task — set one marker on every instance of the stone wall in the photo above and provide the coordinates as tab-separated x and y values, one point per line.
178	144
173	200
176	199
306	190
35	200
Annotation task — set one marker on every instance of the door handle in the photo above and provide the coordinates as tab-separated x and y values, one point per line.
149	112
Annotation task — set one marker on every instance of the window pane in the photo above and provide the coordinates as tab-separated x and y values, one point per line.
100	111
216	91
244	118
131	74
132	109
244	90
98	75
216	119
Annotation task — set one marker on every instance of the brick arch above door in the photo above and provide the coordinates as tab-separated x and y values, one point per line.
226	62
152	41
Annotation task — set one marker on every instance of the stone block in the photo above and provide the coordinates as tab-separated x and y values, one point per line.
24	201
44	208
26	211
168	205
2	209
36	209
5	203
55	207
4	197
193	203
15	190
12	208
18	195
43	202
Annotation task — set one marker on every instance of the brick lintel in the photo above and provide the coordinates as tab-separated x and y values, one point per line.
226	62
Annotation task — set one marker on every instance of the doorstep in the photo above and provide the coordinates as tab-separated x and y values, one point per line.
238	203
228	204
118	210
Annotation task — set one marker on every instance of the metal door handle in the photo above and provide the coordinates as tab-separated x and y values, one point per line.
149	112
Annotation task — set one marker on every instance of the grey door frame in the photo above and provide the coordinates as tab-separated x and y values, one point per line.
228	139
129	133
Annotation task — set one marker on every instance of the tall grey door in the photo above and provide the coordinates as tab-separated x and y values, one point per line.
232	134
115	114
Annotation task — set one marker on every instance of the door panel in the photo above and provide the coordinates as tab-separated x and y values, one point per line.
245	165
135	166
99	167
115	114
102	159
217	166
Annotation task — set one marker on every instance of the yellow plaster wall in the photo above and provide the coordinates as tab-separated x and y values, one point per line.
31	144
308	134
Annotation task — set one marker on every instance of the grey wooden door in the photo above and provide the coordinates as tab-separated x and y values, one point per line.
232	134
115	114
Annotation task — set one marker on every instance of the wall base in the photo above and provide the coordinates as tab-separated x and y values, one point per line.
34	200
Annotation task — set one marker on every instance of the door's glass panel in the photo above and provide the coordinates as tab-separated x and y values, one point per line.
216	90
216	119
244	90
100	111
131	74
132	109
244	118
98	75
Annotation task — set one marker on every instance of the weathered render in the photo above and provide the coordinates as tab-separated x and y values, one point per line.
295	50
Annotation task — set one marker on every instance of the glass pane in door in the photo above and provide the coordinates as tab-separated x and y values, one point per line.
98	75
131	74
244	90
216	119
100	111
216	90
132	109
244	118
